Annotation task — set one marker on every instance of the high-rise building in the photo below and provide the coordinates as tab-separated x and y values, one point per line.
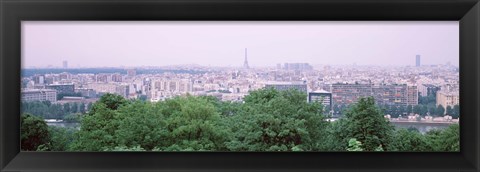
65	64
245	63
412	95
350	93
383	94
417	61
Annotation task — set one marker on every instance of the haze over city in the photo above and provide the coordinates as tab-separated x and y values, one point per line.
115	44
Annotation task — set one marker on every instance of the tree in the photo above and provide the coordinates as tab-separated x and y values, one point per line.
98	127
432	110
417	109
34	133
89	106
272	120
387	109
192	123
97	130
394	111
82	108
61	138
73	117
74	107
444	140
424	110
456	111
365	122
140	124
409	141
66	108
450	138
440	110
336	109
112	101
409	109
449	110
354	145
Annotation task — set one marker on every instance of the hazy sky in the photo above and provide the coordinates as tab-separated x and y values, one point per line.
94	44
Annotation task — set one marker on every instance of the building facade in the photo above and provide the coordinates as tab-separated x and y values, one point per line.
39	95
395	94
62	88
283	86
448	99
322	96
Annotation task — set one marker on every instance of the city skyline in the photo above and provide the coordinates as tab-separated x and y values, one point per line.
116	44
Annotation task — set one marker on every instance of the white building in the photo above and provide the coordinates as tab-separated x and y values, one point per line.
39	95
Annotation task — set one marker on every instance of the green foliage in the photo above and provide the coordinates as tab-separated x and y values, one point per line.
456	111
440	110
61	138
34	133
268	120
272	120
43	109
73	117
112	101
193	123
409	140
125	148
97	130
427	100
444	140
354	145
365	122
82	108
139	124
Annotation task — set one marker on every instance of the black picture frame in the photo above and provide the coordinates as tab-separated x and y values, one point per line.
14	11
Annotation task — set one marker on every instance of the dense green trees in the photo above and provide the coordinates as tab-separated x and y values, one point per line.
267	120
409	141
444	140
364	122
270	120
34	133
48	110
61	138
98	126
182	123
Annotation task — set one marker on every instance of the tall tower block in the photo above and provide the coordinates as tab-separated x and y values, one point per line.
417	61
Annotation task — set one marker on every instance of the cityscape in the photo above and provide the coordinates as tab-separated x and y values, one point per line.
334	86
244	103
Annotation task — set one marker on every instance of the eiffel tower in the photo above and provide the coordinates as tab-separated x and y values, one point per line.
245	64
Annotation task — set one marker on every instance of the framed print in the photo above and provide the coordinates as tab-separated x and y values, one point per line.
239	85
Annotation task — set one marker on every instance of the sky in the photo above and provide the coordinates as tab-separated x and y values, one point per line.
223	43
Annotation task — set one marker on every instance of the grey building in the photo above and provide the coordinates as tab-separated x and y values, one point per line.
39	95
282	86
417	61
62	88
322	96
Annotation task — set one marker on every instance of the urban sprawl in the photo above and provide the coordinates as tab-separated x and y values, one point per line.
336	87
